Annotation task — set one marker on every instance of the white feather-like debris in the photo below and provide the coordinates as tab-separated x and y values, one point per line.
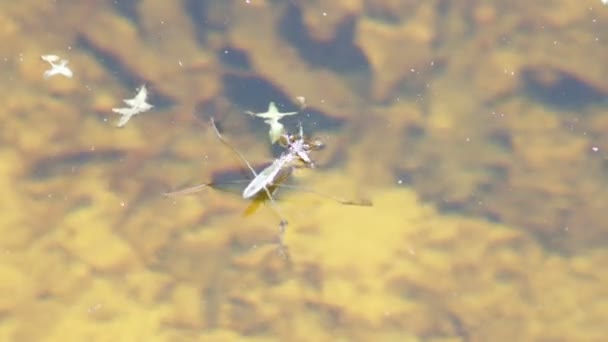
50	58
136	105
58	66
272	117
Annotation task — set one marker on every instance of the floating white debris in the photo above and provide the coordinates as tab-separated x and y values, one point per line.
50	58
272	117
136	105
301	101
58	66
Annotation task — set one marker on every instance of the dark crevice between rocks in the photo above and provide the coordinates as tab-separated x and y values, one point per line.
124	75
69	163
205	110
501	139
412	137
403	177
559	89
160	101
111	63
197	10
410	89
252	93
234	58
381	14
447	13
128	9
471	205
448	207
413	134
443	8
339	54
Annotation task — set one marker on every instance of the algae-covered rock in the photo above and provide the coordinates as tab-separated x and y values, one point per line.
397	53
476	129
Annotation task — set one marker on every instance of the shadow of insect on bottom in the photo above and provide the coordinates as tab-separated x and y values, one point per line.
263	185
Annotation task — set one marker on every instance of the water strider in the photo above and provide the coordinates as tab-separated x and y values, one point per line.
297	149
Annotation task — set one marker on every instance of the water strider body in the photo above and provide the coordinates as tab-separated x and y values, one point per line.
297	149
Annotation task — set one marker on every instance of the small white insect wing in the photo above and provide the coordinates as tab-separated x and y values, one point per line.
48	73
63	69
123	120
136	105
141	95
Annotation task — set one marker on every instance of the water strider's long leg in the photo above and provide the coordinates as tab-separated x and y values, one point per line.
343	201
188	191
198	188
